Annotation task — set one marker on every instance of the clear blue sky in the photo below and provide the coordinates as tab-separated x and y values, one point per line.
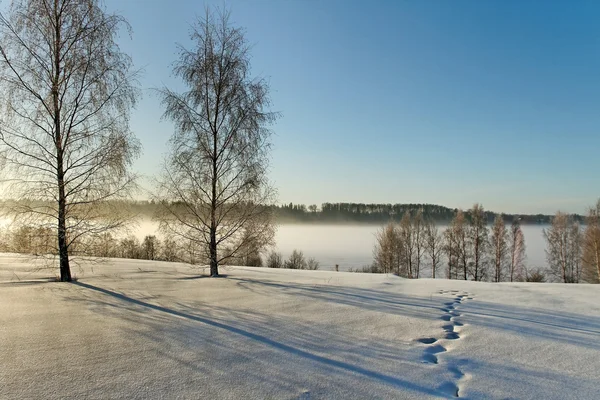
447	102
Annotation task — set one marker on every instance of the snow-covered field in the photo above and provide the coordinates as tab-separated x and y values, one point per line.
151	330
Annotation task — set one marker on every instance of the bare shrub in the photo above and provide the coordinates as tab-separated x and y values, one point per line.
312	264
274	260
296	260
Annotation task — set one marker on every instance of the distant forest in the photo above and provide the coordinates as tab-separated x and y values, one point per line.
381	213
372	213
357	213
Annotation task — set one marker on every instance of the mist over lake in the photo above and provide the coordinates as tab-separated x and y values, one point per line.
351	246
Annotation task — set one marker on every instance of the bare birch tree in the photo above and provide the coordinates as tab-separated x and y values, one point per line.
386	250
451	249
457	246
516	250
406	245
563	248
478	239
434	242
591	246
418	237
575	241
66	94
215	190
499	248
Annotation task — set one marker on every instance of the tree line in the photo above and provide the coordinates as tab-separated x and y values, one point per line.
39	241
465	250
469	249
378	213
573	251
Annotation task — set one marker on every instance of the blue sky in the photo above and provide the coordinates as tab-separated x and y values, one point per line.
446	102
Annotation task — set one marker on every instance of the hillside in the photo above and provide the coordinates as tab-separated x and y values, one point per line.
143	329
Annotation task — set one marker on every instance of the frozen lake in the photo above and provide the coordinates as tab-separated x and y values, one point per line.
351	246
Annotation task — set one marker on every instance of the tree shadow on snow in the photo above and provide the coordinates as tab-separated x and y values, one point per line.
299	343
196	323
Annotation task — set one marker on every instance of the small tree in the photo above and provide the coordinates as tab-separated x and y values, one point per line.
274	260
130	248
418	236
591	246
250	250
386	249
406	246
312	264
575	247
150	247
478	239
456	247
215	182
563	244
535	275
499	248
516	249
296	261
104	245
433	246
170	250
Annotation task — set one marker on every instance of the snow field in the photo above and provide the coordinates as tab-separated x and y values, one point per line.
143	329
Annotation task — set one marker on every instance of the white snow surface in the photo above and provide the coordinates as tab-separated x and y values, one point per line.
132	329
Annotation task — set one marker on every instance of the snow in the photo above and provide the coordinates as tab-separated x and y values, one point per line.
143	329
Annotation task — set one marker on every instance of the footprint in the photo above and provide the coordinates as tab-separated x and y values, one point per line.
454	370
436	348
429	359
448	328
427	340
304	396
446	317
429	355
458	323
452	336
449	388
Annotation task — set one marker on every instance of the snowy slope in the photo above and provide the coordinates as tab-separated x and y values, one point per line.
141	329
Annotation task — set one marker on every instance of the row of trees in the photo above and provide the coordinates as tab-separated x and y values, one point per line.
573	253
473	251
467	246
40	241
66	149
295	261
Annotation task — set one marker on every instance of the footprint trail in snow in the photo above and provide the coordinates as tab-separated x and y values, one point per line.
451	331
